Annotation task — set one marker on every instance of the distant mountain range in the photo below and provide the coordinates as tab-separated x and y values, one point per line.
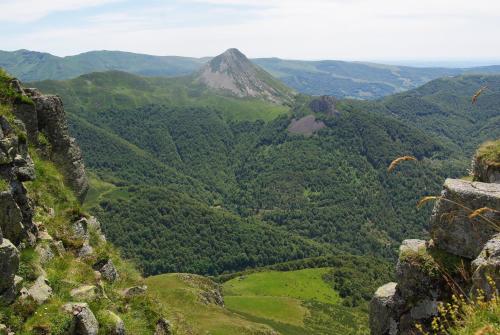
329	77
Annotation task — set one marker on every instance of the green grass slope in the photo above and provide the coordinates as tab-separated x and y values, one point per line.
294	302
183	298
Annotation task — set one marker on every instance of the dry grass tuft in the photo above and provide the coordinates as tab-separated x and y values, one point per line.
480	211
425	200
398	160
486	330
478	93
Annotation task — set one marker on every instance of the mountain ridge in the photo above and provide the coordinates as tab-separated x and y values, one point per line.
342	79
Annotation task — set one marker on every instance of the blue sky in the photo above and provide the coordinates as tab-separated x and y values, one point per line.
387	30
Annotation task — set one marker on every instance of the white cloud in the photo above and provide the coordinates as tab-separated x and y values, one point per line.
312	29
22	11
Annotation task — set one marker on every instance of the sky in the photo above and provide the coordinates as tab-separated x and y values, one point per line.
366	30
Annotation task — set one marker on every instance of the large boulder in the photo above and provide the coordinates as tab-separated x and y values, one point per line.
9	265
385	310
486	275
451	227
84	321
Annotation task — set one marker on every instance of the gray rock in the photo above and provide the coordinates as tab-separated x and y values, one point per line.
212	297
80	228
84	321
40	291
86	250
385	310
11	218
451	228
416	273
163	327
486	269
4	330
107	269
424	309
9	265
44	252
27	114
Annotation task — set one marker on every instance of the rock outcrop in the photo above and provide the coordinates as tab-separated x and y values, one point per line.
324	105
51	121
429	273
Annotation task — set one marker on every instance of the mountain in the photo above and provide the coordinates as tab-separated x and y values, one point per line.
328	77
233	72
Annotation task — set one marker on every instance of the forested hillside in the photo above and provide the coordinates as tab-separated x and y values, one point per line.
208	187
444	109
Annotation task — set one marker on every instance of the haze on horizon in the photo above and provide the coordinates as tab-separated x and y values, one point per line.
397	31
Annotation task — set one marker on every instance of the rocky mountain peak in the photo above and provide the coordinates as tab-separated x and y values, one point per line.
232	72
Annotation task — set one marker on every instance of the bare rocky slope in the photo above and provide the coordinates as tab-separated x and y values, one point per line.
233	73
